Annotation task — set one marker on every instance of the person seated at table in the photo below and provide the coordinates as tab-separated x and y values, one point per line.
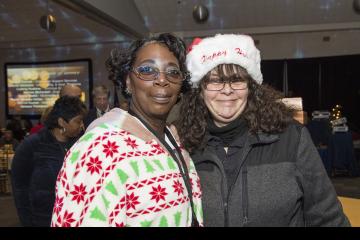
8	139
19	126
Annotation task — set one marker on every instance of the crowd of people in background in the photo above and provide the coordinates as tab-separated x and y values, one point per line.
40	150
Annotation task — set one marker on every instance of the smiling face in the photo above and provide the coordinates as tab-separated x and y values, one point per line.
227	104
101	102
153	100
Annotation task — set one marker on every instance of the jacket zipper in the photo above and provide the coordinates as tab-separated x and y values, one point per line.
245	196
226	210
245	212
225	204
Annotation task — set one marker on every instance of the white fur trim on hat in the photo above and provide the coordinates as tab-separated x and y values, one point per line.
224	49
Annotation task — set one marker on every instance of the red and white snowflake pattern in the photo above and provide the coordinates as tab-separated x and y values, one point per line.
131	142
110	184
158	193
178	187
78	193
110	148
94	165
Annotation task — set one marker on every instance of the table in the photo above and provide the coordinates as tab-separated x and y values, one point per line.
340	155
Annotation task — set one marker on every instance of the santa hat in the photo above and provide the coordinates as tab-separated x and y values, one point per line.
206	54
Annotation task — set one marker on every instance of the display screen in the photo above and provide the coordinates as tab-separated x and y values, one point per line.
32	87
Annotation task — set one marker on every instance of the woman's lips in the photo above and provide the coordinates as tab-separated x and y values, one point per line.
229	102
161	98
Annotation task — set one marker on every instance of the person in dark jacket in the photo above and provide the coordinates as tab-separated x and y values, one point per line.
38	160
257	166
101	99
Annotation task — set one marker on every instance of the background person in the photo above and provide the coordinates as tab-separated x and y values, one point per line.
39	158
101	96
70	90
19	126
41	122
8	139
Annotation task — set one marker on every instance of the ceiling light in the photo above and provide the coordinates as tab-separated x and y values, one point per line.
200	13
356	6
48	21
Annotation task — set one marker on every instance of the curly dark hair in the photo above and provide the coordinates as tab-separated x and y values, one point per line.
264	111
66	107
120	62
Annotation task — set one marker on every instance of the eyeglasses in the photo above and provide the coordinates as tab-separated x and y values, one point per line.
150	73
218	84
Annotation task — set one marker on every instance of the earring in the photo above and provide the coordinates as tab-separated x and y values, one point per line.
127	91
179	98
63	130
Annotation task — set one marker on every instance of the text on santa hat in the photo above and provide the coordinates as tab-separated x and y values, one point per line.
219	53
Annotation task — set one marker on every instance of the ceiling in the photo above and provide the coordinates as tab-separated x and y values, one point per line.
257	15
20	27
104	21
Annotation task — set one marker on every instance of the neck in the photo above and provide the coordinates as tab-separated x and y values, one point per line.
157	124
58	135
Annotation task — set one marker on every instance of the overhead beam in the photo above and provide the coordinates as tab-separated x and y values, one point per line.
99	11
275	29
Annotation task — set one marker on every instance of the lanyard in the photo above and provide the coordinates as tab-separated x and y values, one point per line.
179	159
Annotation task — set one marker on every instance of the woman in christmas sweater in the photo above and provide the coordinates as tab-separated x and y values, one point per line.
129	169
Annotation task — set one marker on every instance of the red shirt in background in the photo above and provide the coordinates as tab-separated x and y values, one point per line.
36	128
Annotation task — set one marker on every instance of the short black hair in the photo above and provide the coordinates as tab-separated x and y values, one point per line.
120	62
66	107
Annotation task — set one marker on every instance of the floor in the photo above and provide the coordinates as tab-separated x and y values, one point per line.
345	187
8	216
351	208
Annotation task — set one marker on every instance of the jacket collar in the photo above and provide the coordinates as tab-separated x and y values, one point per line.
253	139
263	138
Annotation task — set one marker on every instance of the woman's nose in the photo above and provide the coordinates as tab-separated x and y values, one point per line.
227	88
161	79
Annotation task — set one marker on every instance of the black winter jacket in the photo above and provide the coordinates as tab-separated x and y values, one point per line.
35	167
280	181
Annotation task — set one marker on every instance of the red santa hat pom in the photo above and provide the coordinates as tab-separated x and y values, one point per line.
205	54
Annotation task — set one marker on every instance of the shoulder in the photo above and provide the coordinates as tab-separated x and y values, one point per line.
113	118
294	128
30	143
35	138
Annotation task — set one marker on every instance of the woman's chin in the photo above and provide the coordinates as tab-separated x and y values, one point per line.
224	120
227	116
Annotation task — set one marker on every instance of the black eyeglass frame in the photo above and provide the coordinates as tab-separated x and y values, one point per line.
223	85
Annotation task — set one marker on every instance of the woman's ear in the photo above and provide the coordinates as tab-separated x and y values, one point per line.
61	122
128	85
201	92
180	96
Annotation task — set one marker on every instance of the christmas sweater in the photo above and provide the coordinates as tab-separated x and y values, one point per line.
118	174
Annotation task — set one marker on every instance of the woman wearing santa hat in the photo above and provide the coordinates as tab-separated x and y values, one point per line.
257	166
